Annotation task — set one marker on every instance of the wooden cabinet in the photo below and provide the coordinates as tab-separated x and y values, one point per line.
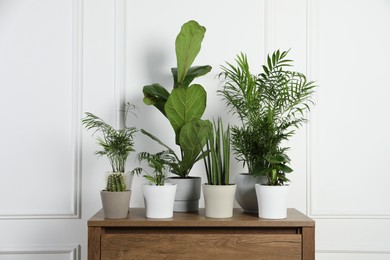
193	236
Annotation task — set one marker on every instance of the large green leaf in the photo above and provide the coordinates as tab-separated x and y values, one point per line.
185	105
156	95
193	137
188	44
192	73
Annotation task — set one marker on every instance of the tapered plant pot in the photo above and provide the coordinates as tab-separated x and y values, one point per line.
115	204
272	201
187	193
159	200
246	193
219	200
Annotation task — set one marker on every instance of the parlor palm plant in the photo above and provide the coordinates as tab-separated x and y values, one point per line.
159	162
271	106
159	196
116	145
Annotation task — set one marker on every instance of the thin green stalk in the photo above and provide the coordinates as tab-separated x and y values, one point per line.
218	155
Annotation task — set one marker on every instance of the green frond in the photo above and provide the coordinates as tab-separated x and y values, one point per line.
115	144
271	106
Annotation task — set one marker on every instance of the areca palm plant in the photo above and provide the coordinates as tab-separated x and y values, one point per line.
271	106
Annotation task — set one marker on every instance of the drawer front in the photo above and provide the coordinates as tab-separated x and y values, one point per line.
200	246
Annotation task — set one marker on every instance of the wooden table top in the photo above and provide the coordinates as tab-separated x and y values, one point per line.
137	218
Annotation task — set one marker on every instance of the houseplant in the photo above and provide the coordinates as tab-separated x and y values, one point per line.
241	93
218	192
116	146
158	195
270	105
184	107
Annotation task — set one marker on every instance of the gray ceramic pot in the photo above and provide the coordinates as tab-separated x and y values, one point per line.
115	204
246	192
187	193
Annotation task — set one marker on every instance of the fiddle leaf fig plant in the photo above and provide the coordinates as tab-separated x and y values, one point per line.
185	105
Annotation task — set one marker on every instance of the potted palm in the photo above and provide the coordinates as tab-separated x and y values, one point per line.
158	195
271	106
218	191
184	107
116	145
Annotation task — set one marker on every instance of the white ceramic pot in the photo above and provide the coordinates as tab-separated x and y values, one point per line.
219	200
115	204
187	193
159	200
246	193
272	201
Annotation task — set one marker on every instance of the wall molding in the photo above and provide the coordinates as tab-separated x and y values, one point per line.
77	38
119	61
353	251
312	61
73	251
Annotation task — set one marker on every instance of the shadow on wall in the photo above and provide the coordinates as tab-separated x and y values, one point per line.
156	64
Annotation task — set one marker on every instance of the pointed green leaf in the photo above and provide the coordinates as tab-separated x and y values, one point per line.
193	138
188	44
185	105
285	168
192	73
156	95
277	159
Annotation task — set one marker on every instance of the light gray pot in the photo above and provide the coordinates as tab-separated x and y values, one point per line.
115	204
219	200
187	193
246	192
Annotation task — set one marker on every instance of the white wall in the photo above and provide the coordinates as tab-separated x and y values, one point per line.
61	58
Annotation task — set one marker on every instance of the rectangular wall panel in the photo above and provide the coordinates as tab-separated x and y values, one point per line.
64	253
346	255
39	68
350	130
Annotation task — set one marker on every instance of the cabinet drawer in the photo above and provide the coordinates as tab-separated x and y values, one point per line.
201	246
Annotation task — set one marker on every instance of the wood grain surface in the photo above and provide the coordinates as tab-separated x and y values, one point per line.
193	236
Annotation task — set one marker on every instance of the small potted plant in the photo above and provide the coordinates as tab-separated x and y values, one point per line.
271	106
184	107
116	145
159	196
218	191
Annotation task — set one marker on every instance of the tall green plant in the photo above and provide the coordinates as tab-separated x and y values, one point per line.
186	103
271	106
217	160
